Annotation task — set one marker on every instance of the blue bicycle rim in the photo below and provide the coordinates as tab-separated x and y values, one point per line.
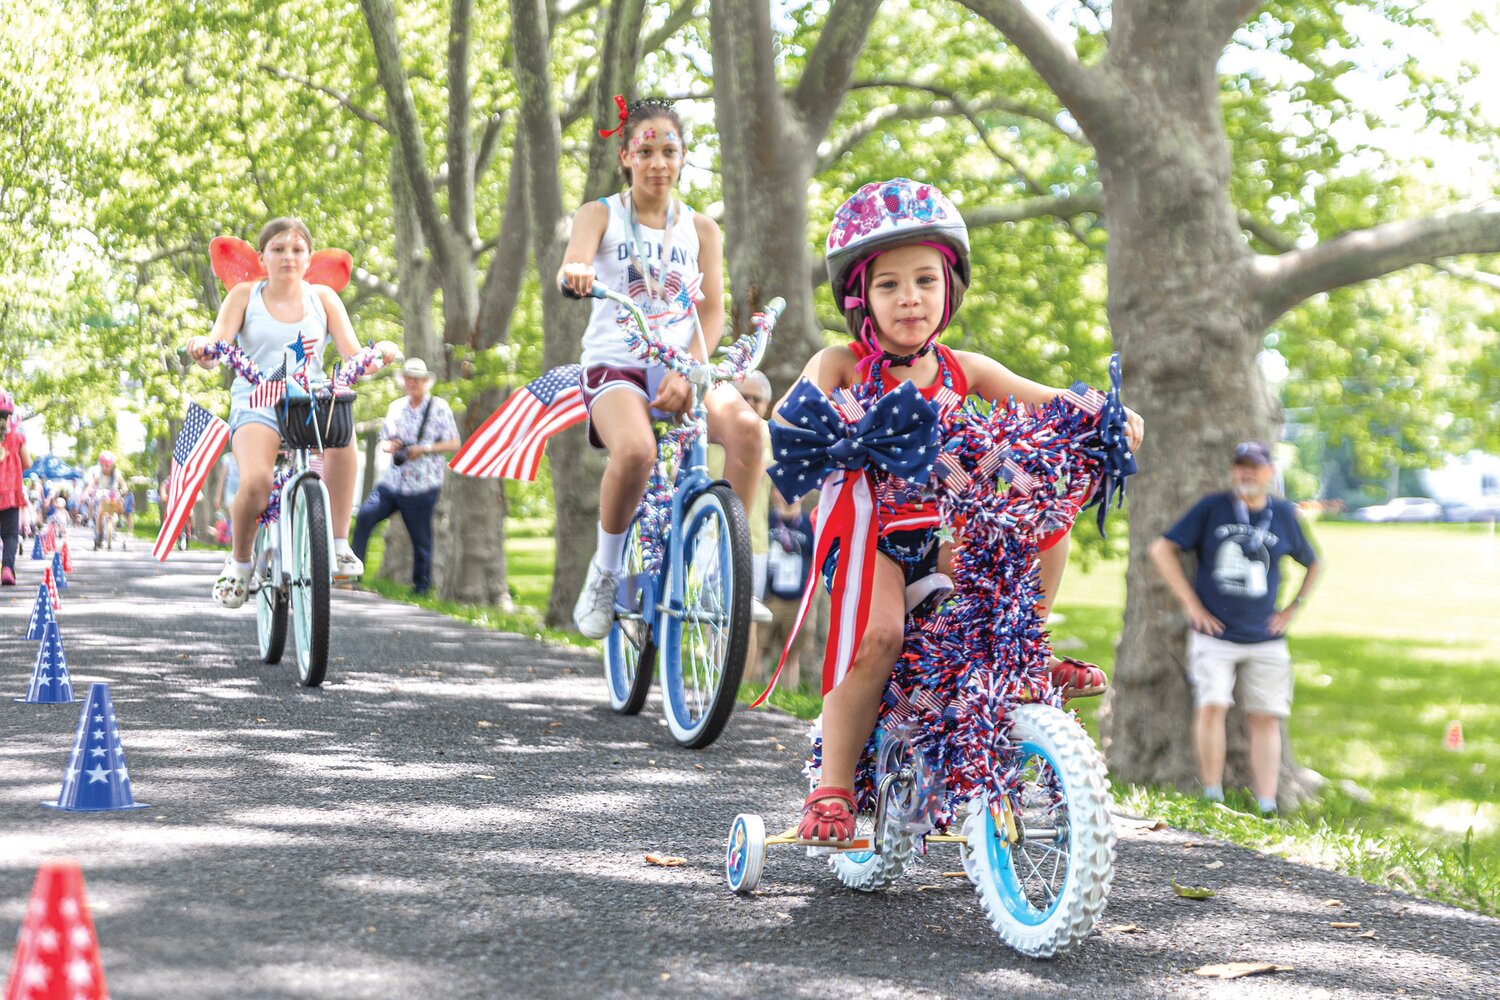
1002	858
674	688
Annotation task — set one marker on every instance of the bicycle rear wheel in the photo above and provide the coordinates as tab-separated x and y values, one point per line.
703	645
311	580
270	600
630	647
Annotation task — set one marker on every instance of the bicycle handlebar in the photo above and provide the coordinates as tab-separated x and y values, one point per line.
365	361
740	357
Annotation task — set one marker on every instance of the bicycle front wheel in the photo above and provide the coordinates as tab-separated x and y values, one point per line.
703	645
630	647
270	600
311	580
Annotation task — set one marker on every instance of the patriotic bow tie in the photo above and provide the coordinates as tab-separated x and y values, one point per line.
899	434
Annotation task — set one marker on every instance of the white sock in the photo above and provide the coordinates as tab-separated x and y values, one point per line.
341	545
609	551
243	567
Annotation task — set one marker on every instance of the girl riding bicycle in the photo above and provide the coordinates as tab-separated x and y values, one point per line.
898	263
264	316
647	244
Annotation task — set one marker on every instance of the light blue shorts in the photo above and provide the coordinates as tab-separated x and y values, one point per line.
242	413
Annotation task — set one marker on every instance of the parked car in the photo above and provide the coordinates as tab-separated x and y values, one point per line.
1402	509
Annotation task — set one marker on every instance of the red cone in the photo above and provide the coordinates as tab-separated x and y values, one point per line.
57	956
67	558
51	582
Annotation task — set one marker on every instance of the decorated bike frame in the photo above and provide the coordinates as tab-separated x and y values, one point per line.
972	746
650	592
275	580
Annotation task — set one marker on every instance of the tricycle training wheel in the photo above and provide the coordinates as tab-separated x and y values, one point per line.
746	855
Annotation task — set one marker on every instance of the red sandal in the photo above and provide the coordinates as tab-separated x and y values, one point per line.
1077	678
827	818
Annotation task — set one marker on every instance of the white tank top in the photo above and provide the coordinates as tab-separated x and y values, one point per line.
264	337
675	280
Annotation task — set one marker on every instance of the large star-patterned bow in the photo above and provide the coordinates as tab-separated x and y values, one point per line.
818	447
899	434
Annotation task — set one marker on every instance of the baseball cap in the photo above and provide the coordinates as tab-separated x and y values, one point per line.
1251	453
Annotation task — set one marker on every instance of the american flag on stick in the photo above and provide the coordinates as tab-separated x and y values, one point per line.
271	389
198	445
509	444
1085	397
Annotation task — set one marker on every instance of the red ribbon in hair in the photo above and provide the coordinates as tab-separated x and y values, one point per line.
624	117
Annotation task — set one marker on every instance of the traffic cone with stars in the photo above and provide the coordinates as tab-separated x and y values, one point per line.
59	572
57	954
50	583
96	779
36	546
50	682
67	559
41	614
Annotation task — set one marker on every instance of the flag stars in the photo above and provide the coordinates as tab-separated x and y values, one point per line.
98	773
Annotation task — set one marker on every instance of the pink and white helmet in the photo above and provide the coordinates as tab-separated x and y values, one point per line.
891	213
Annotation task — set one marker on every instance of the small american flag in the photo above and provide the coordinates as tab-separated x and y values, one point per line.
1085	397
271	388
1018	477
849	408
509	444
198	445
947	401
952	473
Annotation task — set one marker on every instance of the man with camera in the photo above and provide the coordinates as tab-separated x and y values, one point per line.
419	430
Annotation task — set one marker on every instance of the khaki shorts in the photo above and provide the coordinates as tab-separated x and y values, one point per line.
1264	669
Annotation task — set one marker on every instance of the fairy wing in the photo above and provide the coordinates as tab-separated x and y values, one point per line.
234	260
332	268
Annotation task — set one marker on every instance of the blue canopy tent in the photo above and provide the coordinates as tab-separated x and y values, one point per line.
51	467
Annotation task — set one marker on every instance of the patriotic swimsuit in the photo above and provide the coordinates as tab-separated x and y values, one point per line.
263	338
908	524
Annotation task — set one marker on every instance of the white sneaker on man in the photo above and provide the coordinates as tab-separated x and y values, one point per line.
594	614
759	613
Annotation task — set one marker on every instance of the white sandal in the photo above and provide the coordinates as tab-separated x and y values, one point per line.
232	587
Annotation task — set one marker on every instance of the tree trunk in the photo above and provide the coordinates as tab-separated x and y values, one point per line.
768	155
1186	325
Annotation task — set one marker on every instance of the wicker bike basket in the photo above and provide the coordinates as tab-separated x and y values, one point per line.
324	421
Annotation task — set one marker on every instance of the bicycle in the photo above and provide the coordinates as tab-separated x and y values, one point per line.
293	574
684	595
973	747
106	516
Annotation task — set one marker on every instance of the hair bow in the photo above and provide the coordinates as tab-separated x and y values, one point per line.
624	117
1119	458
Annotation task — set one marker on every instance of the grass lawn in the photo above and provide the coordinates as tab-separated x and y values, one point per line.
1400	640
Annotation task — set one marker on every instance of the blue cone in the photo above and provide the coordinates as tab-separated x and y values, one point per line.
96	779
57	571
36	546
50	682
41	614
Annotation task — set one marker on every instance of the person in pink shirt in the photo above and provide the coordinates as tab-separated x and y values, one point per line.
14	460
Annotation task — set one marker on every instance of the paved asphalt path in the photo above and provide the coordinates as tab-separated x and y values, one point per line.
458	814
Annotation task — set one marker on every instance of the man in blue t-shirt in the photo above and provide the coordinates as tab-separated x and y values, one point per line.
1239	538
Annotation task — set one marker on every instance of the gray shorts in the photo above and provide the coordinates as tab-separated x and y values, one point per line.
1264	669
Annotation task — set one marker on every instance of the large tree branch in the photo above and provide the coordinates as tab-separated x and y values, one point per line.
358	110
1062	207
583	99
1020	109
876	121
1078	87
407	130
619	57
1284	281
1266	233
830	65
675	22
487	140
460	164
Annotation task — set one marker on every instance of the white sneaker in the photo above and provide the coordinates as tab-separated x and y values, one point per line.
594	614
759	613
232	586
346	566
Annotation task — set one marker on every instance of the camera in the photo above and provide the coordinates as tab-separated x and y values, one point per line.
399	457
